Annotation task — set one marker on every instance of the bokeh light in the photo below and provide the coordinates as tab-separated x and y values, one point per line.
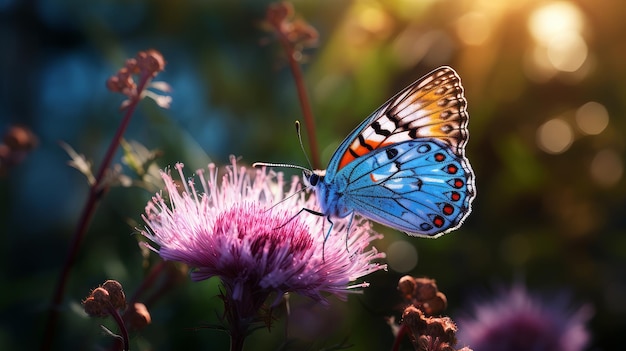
553	20
401	256
557	29
374	19
607	168
592	118
567	52
555	136
474	28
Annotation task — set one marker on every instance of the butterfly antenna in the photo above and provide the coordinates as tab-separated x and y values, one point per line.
302	145
281	165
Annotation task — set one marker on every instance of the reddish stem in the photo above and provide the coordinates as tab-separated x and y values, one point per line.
305	105
148	281
404	330
120	323
95	193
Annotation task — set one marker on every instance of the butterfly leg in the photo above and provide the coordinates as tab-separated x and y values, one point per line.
326	237
321	215
348	230
316	213
297	214
329	229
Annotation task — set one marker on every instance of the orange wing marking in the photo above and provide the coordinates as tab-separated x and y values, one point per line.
358	150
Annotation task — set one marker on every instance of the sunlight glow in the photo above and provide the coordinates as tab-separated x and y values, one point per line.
555	136
555	19
473	28
374	19
557	29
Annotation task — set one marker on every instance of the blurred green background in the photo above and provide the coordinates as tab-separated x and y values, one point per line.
545	87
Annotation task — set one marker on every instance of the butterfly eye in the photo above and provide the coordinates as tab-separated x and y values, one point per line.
313	179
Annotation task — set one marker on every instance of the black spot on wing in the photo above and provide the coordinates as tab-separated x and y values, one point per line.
379	130
391	153
364	143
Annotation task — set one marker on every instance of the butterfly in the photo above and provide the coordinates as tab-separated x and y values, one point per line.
404	166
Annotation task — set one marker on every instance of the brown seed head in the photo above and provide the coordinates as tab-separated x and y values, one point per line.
122	82
116	293
138	316
302	33
131	66
150	62
430	333
278	13
423	294
20	138
407	286
98	303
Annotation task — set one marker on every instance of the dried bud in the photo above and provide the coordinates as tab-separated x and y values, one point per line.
407	285
98	303
138	317
102	300
425	289
146	65
16	144
121	82
5	153
302	33
279	12
428	343
131	66
430	333
20	138
423	294
116	293
435	305
113	84
150	62
297	33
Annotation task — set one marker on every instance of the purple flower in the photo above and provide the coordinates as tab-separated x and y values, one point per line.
517	321
248	232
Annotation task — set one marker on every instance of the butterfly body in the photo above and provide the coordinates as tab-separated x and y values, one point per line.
405	166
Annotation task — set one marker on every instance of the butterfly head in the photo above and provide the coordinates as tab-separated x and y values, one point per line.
313	177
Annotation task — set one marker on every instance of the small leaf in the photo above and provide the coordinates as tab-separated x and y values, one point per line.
79	162
162	86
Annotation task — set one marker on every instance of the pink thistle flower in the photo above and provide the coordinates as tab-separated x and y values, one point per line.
246	231
518	321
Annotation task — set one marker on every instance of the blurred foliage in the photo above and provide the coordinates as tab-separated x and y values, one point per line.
551	188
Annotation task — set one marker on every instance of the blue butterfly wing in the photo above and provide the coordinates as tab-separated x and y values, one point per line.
404	166
420	187
432	107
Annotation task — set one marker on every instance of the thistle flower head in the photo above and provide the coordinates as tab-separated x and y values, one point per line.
518	321
247	231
